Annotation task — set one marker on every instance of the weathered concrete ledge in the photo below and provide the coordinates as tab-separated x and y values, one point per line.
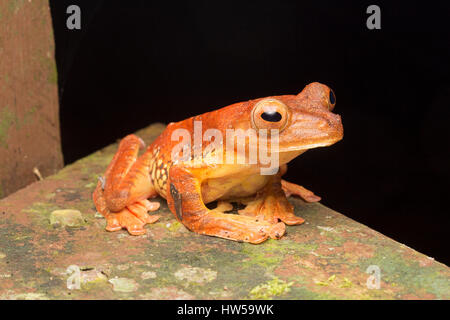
326	258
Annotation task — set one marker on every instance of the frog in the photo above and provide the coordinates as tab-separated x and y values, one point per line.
193	182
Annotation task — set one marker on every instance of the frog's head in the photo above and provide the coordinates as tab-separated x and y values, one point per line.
304	121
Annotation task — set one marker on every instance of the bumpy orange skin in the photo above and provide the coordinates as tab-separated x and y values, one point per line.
130	180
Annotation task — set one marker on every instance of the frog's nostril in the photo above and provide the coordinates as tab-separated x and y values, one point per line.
335	119
331	120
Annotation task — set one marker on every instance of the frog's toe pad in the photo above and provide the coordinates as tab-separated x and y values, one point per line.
277	231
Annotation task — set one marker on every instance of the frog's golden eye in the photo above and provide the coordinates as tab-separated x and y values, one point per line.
331	100
270	114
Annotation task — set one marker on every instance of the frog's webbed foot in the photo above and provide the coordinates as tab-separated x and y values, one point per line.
238	228
133	217
295	189
121	196
271	205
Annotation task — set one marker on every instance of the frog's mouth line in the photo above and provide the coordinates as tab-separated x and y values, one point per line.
310	146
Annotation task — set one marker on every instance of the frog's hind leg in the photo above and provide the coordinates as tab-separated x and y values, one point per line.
290	188
121	196
271	205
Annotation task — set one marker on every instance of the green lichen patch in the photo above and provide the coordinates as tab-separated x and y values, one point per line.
40	214
174	226
52	76
27	118
67	218
270	289
301	292
346	283
196	275
148	275
272	252
15	5
91	279
90	185
24	296
124	285
335	281
7	120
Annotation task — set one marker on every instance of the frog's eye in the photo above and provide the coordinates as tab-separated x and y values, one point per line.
331	100
270	114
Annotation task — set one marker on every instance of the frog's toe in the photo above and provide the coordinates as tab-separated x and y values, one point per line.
112	223
133	224
277	231
311	198
149	205
140	210
136	229
264	231
256	238
289	218
252	208
124	220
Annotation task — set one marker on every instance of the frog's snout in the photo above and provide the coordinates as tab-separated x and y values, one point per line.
334	125
334	120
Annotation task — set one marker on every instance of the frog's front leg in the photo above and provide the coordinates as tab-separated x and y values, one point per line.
290	188
121	196
185	201
271	205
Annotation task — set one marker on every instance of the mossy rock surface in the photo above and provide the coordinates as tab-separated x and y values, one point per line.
325	258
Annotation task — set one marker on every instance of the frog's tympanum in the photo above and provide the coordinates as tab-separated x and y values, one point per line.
217	170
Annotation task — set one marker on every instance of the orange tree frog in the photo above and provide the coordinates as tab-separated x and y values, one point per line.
191	174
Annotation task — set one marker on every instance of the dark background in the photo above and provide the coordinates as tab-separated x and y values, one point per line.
138	62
